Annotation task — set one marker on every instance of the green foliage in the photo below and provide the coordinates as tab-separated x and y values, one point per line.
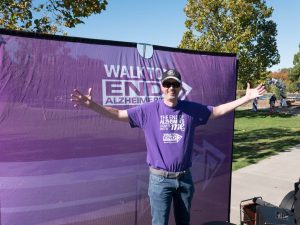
236	26
46	16
294	74
292	87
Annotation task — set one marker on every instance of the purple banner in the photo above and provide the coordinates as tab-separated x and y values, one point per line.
61	165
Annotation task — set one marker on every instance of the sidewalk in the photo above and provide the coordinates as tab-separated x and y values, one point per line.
270	179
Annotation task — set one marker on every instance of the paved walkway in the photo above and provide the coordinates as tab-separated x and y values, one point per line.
270	179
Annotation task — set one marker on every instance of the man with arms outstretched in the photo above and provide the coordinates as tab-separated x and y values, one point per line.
169	125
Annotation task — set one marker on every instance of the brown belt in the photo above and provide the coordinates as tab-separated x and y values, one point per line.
167	174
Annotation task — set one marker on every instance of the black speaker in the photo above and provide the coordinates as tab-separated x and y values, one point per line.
217	223
297	203
272	215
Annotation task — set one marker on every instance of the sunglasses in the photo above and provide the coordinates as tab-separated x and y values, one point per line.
168	84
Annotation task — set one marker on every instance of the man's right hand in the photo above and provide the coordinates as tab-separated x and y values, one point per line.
81	99
86	101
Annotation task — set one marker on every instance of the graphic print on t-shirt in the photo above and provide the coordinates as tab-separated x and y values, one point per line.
172	123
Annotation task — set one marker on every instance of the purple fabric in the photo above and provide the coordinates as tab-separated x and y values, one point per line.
60	165
169	132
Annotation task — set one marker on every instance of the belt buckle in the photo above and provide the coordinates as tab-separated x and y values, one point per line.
175	175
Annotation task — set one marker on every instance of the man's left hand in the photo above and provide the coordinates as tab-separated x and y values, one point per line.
252	93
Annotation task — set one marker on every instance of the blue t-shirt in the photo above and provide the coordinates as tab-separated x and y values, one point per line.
169	131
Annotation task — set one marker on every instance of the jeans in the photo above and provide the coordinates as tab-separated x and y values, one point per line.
161	193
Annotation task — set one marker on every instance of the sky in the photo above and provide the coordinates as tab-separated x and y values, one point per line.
161	22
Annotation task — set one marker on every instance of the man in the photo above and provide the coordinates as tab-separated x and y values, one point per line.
163	122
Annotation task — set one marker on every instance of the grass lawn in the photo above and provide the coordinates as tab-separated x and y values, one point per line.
258	135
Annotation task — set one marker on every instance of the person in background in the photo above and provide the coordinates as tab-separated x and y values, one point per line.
283	104
254	104
272	102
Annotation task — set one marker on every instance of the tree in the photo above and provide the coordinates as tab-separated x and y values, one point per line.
281	74
294	75
47	16
236	26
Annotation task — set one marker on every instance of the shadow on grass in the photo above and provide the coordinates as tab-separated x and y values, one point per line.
261	114
253	146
